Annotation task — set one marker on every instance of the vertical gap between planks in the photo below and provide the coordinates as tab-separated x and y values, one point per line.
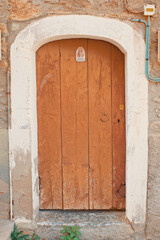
111	118
88	132
61	118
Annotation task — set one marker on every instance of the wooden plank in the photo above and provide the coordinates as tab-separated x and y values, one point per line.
100	144
74	95
49	126
118	115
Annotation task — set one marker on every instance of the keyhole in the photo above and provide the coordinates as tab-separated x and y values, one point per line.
118	120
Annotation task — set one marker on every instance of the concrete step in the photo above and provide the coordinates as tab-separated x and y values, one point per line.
6	227
95	225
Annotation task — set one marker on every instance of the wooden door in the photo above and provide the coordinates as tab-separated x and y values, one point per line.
81	125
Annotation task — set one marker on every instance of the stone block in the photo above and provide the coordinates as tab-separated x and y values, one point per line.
153	206
6	227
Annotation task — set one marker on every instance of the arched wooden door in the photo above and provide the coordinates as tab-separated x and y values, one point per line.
81	125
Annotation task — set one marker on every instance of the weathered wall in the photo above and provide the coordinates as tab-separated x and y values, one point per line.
19	13
4	170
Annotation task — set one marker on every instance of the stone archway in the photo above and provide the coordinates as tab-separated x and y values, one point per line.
23	132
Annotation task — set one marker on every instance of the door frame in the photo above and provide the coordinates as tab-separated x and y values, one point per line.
23	153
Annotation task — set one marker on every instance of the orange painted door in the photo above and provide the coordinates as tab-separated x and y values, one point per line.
81	125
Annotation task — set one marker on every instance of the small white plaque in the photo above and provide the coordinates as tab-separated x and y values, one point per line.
149	10
80	55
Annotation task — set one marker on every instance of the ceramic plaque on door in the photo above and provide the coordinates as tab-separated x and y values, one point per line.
80	55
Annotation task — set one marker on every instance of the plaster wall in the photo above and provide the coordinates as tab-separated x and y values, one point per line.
16	14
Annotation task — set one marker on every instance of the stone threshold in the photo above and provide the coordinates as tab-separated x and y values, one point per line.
81	218
94	225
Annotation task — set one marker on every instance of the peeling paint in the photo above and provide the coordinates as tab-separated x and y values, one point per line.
44	81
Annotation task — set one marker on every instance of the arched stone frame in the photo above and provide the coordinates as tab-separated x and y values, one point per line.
23	131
